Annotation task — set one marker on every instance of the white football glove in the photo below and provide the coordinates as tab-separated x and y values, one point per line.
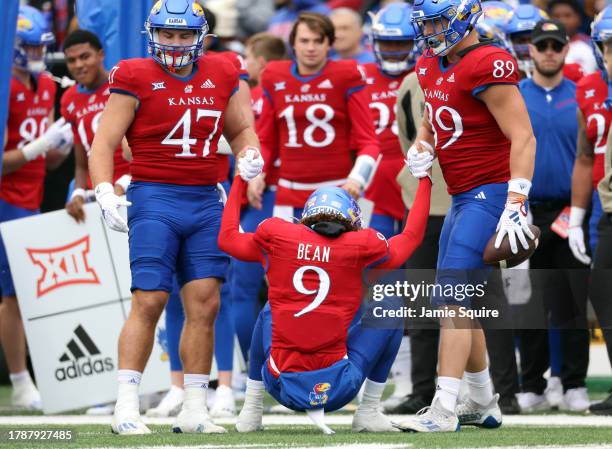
59	135
419	163
513	222
575	235
110	203
251	164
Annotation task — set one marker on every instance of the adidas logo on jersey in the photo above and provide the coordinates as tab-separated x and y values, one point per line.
92	98
480	196
71	107
208	84
20	96
451	79
82	358
325	85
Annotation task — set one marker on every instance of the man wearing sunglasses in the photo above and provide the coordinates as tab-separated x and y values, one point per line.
561	288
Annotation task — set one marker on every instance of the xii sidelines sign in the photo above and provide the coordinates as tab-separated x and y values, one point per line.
73	287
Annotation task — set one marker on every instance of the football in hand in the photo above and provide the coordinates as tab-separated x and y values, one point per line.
503	257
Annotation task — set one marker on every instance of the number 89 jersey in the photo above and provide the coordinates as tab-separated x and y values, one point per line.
471	148
178	122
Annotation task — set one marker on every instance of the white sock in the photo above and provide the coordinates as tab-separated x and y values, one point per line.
196	389
254	395
372	393
480	386
401	369
127	393
20	378
447	391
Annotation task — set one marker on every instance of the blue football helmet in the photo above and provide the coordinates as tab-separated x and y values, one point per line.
518	31
333	200
32	31
449	21
394	23
601	31
176	15
492	23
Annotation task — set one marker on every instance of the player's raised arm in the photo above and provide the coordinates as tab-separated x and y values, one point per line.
402	246
241	245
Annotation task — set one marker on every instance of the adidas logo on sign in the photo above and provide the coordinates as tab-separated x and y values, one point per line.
480	196
82	358
208	84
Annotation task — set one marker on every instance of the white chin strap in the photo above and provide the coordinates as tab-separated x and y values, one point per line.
394	67
36	67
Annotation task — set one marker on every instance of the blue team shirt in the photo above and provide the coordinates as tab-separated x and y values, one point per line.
553	119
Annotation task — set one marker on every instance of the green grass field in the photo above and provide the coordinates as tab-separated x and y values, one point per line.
553	430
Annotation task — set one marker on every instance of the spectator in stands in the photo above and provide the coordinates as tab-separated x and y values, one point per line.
349	36
570	14
254	16
288	11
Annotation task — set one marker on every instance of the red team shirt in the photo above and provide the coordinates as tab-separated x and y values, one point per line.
471	148
384	191
83	108
312	123
28	120
176	129
591	92
318	278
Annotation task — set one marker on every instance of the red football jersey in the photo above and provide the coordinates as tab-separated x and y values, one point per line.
384	190
591	92
573	72
238	62
471	148
312	123
83	108
177	125
318	279
28	119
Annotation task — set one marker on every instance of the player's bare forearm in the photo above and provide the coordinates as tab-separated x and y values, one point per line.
507	106
582	181
246	137
403	245
54	159
424	133
241	245
114	123
12	161
238	127
81	168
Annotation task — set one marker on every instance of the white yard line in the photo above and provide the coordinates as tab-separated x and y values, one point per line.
269	446
302	420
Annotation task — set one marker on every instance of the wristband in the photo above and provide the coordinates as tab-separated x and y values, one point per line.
124	182
78	192
576	217
363	170
519	185
34	149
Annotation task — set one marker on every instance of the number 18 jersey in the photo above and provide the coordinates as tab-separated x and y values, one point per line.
471	148
178	122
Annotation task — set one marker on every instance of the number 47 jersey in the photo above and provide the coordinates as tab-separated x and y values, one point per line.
178	122
471	148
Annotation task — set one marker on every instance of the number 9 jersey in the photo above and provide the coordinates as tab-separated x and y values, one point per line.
471	148
178	122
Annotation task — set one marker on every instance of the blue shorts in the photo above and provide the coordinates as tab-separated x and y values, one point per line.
9	212
174	229
468	226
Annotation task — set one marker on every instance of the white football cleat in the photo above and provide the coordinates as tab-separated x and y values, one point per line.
371	420
26	396
575	400
434	418
225	405
531	402
169	405
554	391
250	419
195	421
471	413
128	422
